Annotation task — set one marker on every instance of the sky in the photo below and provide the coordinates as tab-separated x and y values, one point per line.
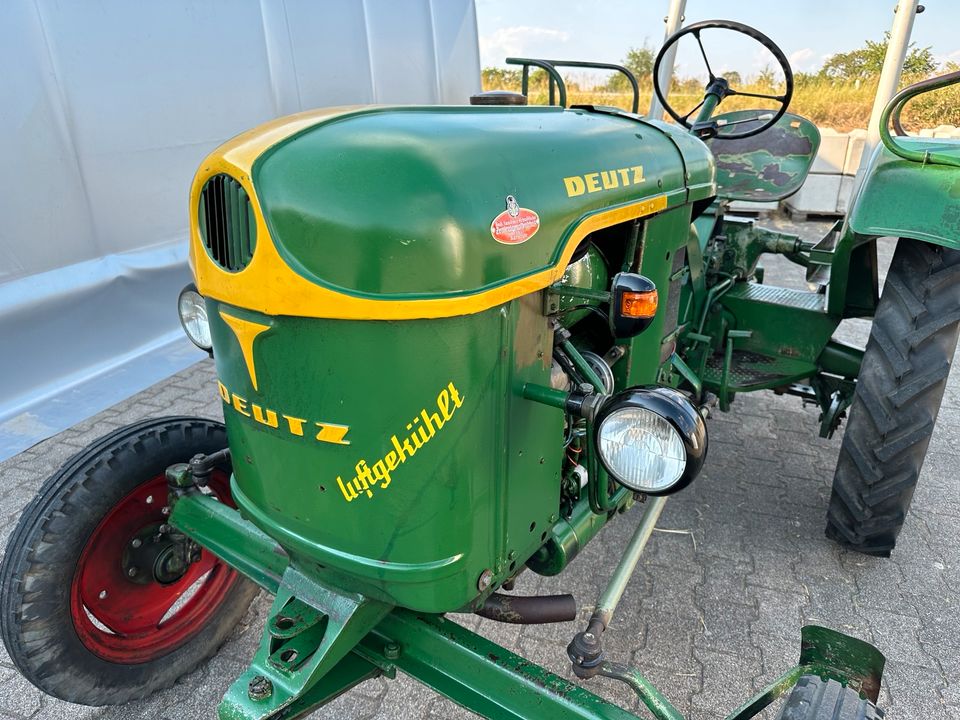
603	30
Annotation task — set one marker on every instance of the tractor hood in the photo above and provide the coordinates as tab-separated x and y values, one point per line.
425	211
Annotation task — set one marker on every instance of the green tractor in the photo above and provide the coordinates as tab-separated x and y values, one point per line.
452	344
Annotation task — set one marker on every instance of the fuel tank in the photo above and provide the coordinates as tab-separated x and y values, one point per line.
373	280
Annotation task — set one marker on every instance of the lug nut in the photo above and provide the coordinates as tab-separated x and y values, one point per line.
137	542
132	572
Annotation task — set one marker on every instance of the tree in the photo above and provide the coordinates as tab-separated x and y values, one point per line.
494	78
867	62
639	61
732	77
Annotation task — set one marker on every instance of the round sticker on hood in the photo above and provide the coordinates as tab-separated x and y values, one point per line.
514	225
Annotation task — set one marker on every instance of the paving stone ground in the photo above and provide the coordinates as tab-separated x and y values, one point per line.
738	565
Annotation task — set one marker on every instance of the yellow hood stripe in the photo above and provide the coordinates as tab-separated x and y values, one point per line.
269	286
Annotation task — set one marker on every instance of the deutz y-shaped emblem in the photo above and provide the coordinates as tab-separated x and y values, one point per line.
247	333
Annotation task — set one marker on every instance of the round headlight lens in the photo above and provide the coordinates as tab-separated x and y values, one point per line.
193	317
642	450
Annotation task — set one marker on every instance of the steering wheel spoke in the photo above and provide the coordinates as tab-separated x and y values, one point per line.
778	98
693	110
695	30
705	60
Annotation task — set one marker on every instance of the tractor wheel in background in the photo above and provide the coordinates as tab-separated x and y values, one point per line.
816	699
94	606
899	389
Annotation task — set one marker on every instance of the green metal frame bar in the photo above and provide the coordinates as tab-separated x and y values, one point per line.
482	676
474	672
237	542
610	598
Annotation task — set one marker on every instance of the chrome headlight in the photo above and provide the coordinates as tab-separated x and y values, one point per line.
193	317
651	440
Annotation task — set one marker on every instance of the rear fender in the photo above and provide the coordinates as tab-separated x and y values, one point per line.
903	198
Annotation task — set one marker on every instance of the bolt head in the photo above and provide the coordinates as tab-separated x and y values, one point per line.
391	651
136	542
132	572
259	688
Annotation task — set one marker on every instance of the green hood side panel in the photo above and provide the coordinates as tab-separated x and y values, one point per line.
399	202
901	198
433	470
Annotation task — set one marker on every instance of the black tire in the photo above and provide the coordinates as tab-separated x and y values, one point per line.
898	396
816	699
38	572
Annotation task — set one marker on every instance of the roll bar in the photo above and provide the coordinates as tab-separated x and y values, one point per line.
891	113
557	85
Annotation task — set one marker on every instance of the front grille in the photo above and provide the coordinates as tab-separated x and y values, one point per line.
227	224
673	304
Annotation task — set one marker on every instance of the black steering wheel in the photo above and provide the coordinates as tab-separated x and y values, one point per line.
716	84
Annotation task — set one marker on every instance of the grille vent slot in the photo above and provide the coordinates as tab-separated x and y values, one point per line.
227	224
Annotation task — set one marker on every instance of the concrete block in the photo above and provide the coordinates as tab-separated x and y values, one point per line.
818	196
833	151
851	162
747	207
944	131
844	196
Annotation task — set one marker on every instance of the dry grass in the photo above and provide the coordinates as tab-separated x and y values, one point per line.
839	106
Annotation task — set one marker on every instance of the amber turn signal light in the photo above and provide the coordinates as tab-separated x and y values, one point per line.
639	304
633	304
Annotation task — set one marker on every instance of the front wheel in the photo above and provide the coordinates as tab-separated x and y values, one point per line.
901	383
816	699
101	601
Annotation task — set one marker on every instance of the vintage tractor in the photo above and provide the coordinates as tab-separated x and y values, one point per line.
452	344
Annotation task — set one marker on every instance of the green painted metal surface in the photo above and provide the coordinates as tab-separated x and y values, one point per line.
484	677
427	495
664	237
343	639
399	202
588	272
567	538
239	543
904	198
310	629
391	471
768	166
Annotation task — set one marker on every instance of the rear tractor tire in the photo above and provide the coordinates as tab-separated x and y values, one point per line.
816	699
901	383
96	604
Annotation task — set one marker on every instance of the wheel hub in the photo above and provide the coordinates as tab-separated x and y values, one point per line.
159	554
141	588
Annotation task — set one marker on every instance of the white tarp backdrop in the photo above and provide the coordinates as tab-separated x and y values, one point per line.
106	109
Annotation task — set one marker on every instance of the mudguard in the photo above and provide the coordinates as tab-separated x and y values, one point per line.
903	198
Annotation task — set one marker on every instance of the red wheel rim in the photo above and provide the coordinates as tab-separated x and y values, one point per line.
130	622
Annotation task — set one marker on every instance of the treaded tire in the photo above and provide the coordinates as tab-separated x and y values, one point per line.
816	699
41	560
901	384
